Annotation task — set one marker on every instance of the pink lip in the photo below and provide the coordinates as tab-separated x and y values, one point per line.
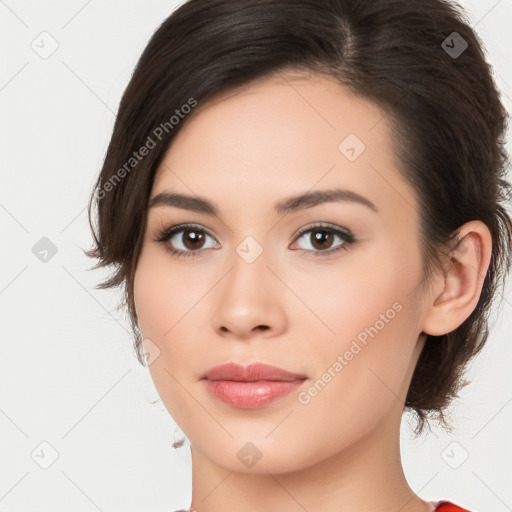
250	387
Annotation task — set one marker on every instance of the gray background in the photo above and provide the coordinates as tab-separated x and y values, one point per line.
69	377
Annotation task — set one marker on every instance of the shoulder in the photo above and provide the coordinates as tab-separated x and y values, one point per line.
448	506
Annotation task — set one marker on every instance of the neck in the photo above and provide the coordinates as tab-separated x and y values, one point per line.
366	476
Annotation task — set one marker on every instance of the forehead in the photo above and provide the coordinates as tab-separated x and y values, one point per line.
280	136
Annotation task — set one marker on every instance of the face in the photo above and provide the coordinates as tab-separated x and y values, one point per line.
329	290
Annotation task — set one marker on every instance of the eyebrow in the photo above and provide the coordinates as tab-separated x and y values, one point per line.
289	205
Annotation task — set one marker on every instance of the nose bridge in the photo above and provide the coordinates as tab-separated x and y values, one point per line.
245	301
249	267
250	250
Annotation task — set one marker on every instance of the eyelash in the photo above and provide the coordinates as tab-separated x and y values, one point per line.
348	238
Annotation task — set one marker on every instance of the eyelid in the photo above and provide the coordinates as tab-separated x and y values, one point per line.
176	228
324	225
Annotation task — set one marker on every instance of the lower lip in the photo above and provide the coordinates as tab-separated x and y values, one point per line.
250	395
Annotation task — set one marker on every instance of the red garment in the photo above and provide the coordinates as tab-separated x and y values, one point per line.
448	506
441	506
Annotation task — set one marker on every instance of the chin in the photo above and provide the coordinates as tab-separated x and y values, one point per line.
254	455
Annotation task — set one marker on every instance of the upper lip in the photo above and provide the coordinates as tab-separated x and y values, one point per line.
250	373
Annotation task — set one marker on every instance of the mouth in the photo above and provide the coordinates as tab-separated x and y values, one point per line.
250	387
251	373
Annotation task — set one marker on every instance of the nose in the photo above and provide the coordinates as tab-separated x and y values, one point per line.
249	301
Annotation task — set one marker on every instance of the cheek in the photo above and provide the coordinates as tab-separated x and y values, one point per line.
370	328
361	292
167	305
362	372
146	292
162	296
367	294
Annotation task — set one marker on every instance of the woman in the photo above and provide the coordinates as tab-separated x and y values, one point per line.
304	201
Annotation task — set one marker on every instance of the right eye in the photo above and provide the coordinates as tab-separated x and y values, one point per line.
185	240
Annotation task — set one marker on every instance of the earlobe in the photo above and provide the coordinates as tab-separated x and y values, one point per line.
461	280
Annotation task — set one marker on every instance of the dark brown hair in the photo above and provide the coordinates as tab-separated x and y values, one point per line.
420	61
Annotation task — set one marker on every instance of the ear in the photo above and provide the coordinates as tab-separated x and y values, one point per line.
456	289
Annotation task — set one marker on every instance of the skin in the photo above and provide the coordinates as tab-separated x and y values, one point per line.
245	151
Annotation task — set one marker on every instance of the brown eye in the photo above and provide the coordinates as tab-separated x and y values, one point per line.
192	239
185	240
321	239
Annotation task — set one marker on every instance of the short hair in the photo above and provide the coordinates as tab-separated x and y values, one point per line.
420	62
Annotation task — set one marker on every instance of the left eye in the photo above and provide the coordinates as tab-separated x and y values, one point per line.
322	237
